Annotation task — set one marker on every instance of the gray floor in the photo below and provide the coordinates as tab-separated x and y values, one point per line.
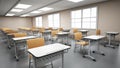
71	59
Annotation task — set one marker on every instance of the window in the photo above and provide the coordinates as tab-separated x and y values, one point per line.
76	19
89	18
85	18
54	20
38	21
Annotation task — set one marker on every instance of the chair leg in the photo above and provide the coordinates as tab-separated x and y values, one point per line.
52	40
80	48
30	62
83	50
51	64
74	47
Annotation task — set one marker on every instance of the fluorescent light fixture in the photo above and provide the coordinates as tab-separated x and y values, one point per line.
9	14
75	1
16	10
36	12
45	9
24	15
23	6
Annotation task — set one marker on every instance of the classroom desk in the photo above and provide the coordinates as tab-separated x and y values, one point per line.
95	38
111	36
9	39
46	34
35	31
66	30
25	30
84	32
54	28
46	53
63	35
15	40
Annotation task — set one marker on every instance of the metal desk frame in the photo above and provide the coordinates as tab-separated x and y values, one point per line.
96	38
19	39
111	35
47	52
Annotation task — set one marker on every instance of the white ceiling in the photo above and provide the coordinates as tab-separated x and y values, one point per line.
6	5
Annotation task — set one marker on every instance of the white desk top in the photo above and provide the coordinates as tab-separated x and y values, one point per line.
9	34
113	33
66	29
62	33
35	30
55	28
46	31
94	37
22	38
83	30
47	49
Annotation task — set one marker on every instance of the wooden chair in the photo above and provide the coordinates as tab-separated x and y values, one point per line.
75	30
50	28
98	32
16	35
60	29
54	35
42	30
79	41
32	43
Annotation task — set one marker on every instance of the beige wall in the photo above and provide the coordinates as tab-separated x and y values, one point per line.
108	16
65	19
45	21
15	22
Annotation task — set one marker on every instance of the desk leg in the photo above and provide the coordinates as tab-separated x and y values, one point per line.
16	55
67	40
62	40
98	49
109	42
35	62
9	43
63	60
89	53
86	33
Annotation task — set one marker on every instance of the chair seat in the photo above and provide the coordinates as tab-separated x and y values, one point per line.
55	37
30	56
83	43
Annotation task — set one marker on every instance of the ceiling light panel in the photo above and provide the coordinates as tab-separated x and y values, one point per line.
36	12
16	10
24	15
9	14
23	6
45	9
75	1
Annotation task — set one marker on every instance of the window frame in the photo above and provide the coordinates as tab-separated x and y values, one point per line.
96	26
54	20
39	21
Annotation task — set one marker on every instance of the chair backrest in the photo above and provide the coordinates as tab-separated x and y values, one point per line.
4	29
78	36
10	31
33	27
36	42
75	30
50	28
42	30
60	29
98	32
26	28
54	32
19	35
